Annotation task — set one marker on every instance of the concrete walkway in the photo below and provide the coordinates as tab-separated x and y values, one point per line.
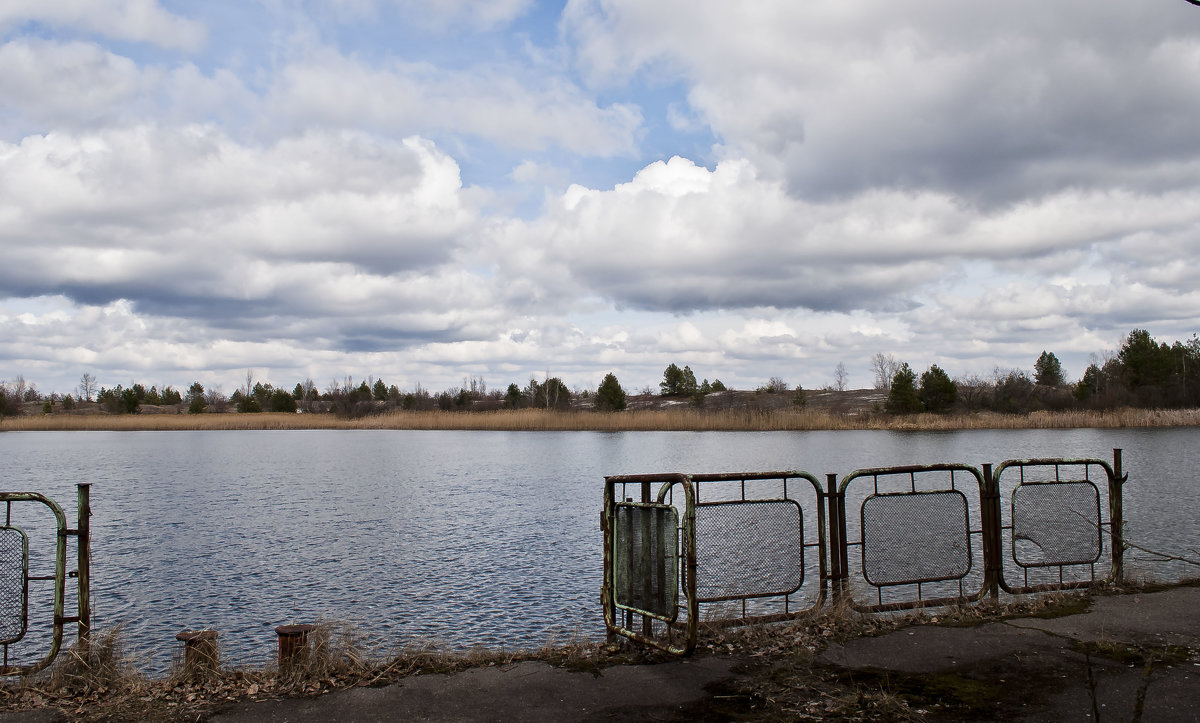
1095	664
1054	669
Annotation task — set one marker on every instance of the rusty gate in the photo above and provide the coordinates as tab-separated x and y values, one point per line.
28	595
726	548
739	548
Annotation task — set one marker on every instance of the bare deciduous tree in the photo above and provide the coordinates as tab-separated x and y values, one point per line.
87	386
775	385
308	393
884	366
214	399
840	377
973	390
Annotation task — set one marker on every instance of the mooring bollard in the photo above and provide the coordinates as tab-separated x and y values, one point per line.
200	656
293	645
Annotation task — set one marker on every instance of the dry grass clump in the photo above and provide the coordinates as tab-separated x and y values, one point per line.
107	686
100	665
84	682
575	653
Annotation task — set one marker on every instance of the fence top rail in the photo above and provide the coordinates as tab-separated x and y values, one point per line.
747	476
1057	462
59	515
911	469
666	482
617	479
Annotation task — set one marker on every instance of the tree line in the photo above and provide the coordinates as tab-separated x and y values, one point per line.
1143	372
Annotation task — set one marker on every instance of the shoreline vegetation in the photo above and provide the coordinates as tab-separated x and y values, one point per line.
1145	384
686	419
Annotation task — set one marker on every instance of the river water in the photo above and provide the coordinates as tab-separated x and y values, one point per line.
454	537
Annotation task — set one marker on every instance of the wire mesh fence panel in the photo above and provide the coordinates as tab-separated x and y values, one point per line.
14	560
749	549
915	537
1056	518
760	546
1056	523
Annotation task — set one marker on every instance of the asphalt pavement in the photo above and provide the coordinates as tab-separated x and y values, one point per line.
1127	657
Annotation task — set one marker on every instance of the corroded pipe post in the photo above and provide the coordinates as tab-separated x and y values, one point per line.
993	561
293	645
200	656
84	560
1116	516
837	543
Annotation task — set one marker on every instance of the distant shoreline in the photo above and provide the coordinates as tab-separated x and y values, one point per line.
676	419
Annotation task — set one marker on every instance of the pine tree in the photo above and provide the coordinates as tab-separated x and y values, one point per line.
902	398
1047	371
610	397
938	393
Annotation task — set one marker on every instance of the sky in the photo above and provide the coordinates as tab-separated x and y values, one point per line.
426	192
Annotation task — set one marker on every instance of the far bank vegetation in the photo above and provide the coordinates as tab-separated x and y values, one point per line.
1144	383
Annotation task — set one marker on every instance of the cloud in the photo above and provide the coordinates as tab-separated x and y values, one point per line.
488	102
478	15
142	21
534	173
680	238
952	183
439	15
994	104
79	85
75	83
190	223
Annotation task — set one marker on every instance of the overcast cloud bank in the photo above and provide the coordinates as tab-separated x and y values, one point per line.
427	192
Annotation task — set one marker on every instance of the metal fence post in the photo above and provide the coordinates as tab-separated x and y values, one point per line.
837	539
84	548
647	588
606	592
1116	518
989	515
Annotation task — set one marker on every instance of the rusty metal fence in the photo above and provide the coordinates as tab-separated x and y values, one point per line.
33	602
1055	516
739	548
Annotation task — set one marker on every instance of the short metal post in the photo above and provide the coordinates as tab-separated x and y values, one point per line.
293	645
200	656
84	548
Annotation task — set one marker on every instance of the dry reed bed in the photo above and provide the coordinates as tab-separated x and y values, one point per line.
691	419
